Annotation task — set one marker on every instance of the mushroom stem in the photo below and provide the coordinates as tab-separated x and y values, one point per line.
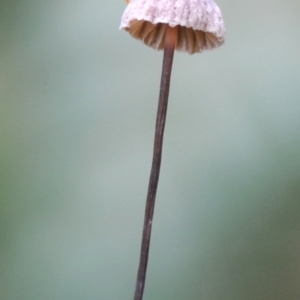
170	44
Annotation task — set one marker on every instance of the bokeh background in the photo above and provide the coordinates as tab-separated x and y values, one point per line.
78	101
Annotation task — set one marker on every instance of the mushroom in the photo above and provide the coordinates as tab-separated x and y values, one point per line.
184	25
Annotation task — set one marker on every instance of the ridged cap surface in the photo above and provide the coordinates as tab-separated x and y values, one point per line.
200	23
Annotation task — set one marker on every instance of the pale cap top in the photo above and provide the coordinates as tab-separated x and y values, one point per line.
200	23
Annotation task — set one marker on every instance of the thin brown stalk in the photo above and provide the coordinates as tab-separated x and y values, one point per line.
170	43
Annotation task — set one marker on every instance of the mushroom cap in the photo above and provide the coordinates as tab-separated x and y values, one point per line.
200	23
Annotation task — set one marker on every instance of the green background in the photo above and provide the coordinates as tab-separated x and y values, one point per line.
78	100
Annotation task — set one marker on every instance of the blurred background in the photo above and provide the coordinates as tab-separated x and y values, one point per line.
78	100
